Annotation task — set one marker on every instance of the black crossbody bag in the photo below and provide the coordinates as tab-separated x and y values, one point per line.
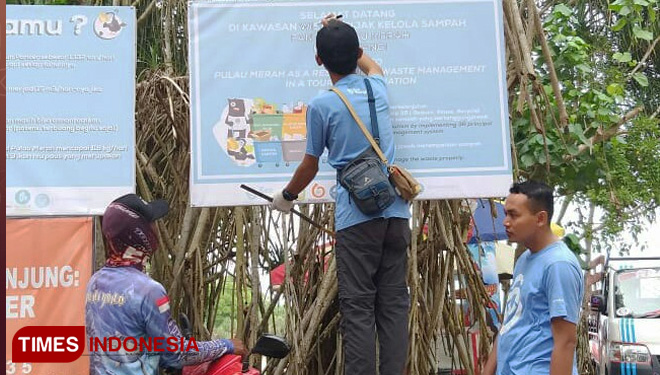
366	178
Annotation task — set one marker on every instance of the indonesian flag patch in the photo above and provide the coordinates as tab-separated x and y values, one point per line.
163	304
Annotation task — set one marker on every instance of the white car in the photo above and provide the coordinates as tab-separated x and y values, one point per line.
624	327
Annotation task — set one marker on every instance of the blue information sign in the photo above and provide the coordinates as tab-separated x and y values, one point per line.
70	108
253	71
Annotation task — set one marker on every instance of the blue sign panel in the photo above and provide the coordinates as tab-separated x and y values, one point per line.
253	71
70	108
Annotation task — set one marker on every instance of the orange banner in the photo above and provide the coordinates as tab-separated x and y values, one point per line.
49	262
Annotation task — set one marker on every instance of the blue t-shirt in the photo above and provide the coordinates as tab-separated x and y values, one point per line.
330	124
547	284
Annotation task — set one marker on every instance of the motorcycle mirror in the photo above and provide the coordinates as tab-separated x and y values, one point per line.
186	327
271	346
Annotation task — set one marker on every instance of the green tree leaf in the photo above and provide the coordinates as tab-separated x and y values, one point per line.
641	79
563	10
584	68
642	34
625	10
527	160
619	24
573	243
622	57
615	89
602	96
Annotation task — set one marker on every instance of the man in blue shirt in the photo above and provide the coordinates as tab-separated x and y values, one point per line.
538	334
124	302
370	249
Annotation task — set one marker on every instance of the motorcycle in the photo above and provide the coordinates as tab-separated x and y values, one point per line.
230	364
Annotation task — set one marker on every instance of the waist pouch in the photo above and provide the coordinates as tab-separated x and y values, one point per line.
367	182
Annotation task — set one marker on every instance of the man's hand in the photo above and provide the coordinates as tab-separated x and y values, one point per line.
281	204
303	175
327	18
239	347
491	364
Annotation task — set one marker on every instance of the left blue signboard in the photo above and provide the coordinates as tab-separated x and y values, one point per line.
70	108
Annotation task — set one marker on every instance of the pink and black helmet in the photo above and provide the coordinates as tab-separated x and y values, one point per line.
128	229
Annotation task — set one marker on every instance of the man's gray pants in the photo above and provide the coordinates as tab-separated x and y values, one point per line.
373	295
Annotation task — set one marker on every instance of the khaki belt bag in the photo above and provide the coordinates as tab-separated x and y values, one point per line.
405	184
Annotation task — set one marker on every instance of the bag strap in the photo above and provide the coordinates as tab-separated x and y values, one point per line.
361	124
372	111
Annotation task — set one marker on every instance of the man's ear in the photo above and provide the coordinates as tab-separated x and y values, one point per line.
360	52
542	219
318	60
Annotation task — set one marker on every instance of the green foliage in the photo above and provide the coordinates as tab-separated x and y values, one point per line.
225	316
641	79
225	319
572	241
599	157
225	313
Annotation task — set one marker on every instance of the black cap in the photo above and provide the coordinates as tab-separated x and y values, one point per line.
151	211
338	47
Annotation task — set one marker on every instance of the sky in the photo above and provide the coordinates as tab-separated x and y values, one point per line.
650	236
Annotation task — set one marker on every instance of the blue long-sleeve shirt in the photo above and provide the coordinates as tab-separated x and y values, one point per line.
123	302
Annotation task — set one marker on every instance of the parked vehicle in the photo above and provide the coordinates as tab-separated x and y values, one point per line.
624	325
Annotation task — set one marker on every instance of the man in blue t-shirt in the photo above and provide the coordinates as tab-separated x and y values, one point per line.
538	335
370	249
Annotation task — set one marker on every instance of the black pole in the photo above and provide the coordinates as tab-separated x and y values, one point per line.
293	210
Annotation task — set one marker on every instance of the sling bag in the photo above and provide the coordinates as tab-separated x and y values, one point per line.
365	177
402	180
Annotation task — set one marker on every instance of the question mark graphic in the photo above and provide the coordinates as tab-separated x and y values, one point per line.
80	21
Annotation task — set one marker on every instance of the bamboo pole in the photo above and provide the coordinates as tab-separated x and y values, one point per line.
240	270
256	292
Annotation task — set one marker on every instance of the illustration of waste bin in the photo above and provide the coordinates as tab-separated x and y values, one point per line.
268	152
268	122
294	126
293	150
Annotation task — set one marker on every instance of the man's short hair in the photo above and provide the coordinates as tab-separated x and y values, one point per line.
539	195
338	46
